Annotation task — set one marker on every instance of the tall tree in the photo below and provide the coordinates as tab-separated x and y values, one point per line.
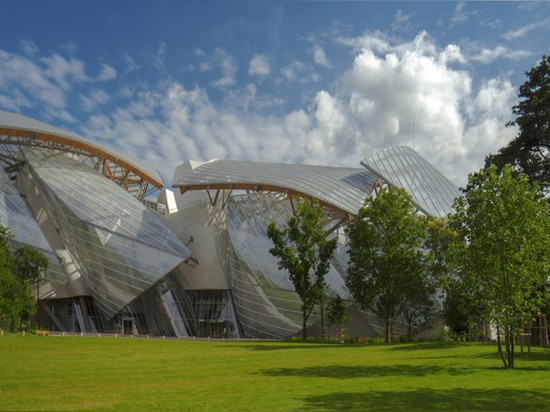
529	151
386	262
500	254
337	314
29	263
303	249
16	301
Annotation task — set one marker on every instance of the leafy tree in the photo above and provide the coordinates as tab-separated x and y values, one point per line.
529	151
302	248
29	263
337	314
16	301
500	254
387	264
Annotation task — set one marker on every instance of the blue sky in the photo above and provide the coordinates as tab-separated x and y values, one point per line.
308	82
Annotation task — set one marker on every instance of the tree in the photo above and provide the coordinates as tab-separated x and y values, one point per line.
529	151
302	248
386	262
16	273
29	263
337	313
500	254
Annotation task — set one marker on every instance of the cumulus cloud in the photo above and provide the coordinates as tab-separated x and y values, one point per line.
413	84
392	92
259	66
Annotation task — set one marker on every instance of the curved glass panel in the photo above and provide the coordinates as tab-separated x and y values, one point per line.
123	246
16	216
341	187
401	166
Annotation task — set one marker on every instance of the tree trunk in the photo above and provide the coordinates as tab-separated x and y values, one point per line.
543	331
499	343
322	319
304	323
387	338
512	349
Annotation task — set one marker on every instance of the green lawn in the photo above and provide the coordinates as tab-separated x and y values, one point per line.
73	373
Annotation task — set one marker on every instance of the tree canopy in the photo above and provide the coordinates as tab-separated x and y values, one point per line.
500	253
17	272
529	151
387	265
303	249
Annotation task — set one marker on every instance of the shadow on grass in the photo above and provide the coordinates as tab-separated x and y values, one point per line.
432	400
299	345
426	345
539	354
351	372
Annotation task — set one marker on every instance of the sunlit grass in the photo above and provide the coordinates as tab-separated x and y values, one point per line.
73	373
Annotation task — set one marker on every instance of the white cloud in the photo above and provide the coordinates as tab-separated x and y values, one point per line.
300	72
376	41
228	69
95	99
64	70
401	21
28	47
500	52
259	66
460	15
384	94
21	76
522	31
107	73
130	63
391	90
383	99
319	56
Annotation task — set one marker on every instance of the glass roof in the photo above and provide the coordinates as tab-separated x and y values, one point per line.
16	121
403	167
343	188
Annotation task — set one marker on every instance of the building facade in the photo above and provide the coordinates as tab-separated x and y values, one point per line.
128	255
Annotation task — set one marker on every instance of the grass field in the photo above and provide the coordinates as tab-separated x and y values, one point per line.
73	373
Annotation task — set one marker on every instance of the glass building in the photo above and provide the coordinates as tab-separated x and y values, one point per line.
128	255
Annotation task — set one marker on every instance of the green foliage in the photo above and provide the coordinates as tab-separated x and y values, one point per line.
337	314
29	263
500	254
16	273
387	267
529	151
302	248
